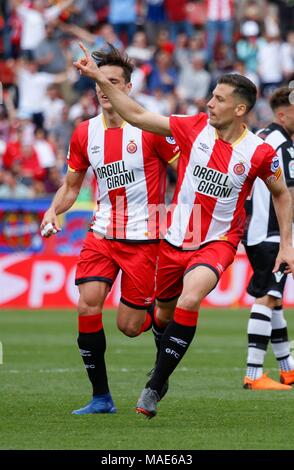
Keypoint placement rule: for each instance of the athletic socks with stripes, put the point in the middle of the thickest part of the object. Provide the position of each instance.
(174, 343)
(92, 345)
(266, 324)
(279, 340)
(259, 333)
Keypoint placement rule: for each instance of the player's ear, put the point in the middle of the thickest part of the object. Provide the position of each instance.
(241, 109)
(129, 87)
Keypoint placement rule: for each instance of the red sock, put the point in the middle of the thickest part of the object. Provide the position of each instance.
(185, 317)
(90, 323)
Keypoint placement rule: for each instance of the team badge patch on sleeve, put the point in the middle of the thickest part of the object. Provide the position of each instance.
(170, 140)
(275, 164)
(291, 169)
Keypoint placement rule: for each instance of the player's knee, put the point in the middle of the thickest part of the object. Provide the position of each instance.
(267, 300)
(129, 329)
(189, 302)
(87, 309)
(165, 315)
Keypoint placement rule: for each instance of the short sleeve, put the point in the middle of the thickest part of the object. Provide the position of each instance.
(287, 152)
(270, 167)
(186, 128)
(166, 148)
(77, 158)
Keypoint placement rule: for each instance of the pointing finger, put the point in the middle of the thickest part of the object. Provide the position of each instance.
(85, 50)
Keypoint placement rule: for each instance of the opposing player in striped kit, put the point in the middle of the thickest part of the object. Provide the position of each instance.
(220, 159)
(130, 167)
(261, 239)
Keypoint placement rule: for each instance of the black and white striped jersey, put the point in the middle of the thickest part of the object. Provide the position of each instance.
(262, 224)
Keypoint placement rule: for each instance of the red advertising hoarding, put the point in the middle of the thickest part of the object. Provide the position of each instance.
(47, 281)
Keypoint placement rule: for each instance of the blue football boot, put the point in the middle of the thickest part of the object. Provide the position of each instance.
(99, 404)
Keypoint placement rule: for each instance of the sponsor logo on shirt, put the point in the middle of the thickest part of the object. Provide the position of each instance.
(116, 175)
(203, 147)
(132, 147)
(95, 149)
(170, 140)
(278, 276)
(220, 268)
(212, 182)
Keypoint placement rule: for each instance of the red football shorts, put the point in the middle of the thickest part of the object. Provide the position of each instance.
(174, 263)
(101, 259)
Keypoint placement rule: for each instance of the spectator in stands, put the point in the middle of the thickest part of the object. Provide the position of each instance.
(32, 87)
(220, 20)
(176, 13)
(34, 19)
(139, 48)
(270, 63)
(53, 106)
(49, 54)
(163, 75)
(44, 149)
(247, 46)
(11, 188)
(194, 81)
(122, 16)
(155, 18)
(61, 133)
(287, 53)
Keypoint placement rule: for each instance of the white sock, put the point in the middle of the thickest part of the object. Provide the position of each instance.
(259, 332)
(279, 340)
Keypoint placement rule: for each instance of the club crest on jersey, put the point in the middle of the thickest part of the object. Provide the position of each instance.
(132, 147)
(239, 168)
(275, 164)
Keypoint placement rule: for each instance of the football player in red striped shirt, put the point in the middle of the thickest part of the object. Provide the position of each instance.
(220, 159)
(130, 168)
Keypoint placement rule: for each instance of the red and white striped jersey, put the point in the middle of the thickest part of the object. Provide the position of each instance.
(130, 167)
(214, 180)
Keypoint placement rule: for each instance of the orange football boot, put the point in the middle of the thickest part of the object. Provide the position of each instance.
(287, 378)
(264, 383)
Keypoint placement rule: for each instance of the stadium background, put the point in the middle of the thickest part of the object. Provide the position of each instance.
(42, 100)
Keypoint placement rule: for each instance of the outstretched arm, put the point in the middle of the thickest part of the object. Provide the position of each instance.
(126, 107)
(283, 207)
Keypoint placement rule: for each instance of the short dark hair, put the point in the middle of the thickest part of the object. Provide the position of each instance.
(243, 87)
(280, 97)
(113, 56)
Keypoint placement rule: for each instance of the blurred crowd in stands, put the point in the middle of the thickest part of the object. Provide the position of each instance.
(179, 49)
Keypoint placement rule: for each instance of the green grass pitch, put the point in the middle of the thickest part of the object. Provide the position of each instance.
(43, 380)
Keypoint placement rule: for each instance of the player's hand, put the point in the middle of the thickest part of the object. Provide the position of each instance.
(87, 66)
(286, 257)
(49, 225)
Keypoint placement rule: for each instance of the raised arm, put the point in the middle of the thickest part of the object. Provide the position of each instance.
(125, 106)
(282, 201)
